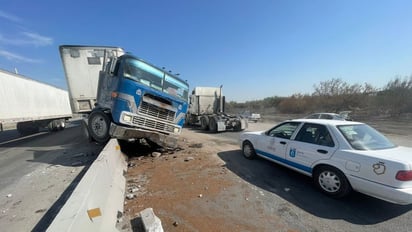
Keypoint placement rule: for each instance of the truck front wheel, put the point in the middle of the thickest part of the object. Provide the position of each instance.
(85, 129)
(99, 124)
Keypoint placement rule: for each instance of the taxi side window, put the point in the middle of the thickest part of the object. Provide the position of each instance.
(315, 134)
(284, 130)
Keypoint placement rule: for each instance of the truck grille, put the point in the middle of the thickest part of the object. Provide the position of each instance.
(156, 112)
(152, 124)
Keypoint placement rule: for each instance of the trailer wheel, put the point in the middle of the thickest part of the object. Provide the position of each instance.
(62, 124)
(213, 124)
(204, 123)
(51, 126)
(54, 125)
(99, 124)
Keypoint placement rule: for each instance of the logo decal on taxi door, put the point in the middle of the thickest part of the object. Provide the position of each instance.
(292, 152)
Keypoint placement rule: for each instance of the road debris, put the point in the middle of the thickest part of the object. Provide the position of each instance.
(156, 154)
(150, 221)
(130, 196)
(133, 189)
(187, 159)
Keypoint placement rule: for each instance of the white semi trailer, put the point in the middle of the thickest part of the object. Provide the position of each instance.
(207, 109)
(29, 105)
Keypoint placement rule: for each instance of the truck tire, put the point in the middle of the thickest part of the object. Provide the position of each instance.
(213, 124)
(62, 124)
(99, 125)
(238, 126)
(51, 126)
(54, 125)
(85, 131)
(204, 123)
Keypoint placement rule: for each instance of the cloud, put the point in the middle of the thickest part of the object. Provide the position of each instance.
(27, 38)
(37, 39)
(16, 34)
(19, 37)
(16, 57)
(9, 17)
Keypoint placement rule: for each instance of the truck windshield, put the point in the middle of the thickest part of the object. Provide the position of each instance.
(155, 78)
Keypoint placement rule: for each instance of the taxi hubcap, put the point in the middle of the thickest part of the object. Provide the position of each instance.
(329, 181)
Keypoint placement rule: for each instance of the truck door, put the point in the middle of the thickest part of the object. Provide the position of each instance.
(313, 142)
(108, 82)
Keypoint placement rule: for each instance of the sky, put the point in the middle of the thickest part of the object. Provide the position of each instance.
(255, 49)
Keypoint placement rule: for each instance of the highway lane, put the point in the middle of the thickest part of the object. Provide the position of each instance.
(38, 174)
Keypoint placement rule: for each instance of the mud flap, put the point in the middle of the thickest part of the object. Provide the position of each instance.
(221, 126)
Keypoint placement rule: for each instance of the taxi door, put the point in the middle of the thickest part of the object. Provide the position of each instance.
(276, 141)
(312, 142)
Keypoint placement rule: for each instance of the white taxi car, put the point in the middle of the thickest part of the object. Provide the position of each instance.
(340, 156)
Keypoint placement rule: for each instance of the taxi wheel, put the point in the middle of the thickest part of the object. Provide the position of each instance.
(248, 150)
(331, 181)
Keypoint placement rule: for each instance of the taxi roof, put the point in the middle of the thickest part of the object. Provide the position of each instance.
(327, 121)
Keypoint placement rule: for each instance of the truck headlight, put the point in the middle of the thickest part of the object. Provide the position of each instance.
(127, 118)
(176, 130)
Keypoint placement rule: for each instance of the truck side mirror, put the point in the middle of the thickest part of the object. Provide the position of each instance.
(112, 65)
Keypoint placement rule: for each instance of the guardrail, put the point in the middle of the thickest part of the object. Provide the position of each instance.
(99, 196)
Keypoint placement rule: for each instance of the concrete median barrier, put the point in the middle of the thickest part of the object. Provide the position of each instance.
(96, 201)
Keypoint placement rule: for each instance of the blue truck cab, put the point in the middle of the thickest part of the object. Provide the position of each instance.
(134, 99)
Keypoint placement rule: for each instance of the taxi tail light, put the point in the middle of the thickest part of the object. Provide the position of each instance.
(404, 175)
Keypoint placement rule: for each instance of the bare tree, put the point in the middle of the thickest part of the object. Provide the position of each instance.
(336, 95)
(396, 97)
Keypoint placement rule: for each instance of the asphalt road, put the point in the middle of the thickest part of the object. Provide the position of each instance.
(38, 174)
(293, 197)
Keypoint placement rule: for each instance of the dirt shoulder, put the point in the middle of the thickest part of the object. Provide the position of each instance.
(208, 186)
(192, 190)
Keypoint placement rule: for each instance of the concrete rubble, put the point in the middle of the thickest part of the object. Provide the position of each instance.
(151, 223)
